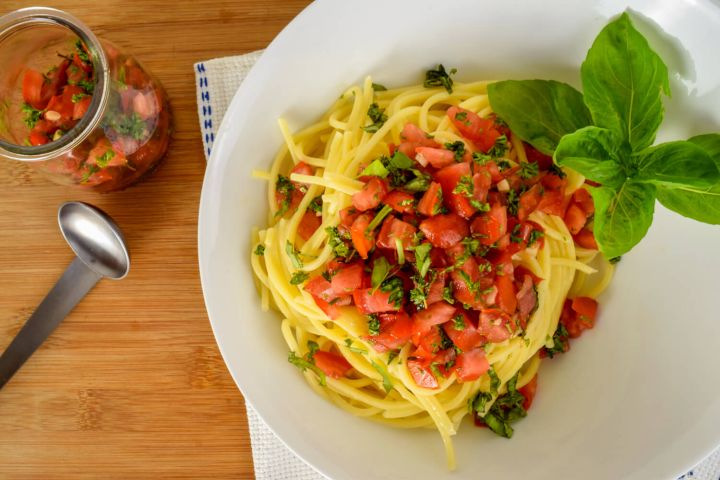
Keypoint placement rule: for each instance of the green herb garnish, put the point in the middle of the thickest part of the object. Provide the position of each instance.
(438, 77)
(377, 116)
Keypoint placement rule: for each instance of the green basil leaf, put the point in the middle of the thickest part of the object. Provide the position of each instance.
(622, 217)
(539, 111)
(623, 82)
(592, 152)
(702, 204)
(375, 169)
(380, 271)
(677, 164)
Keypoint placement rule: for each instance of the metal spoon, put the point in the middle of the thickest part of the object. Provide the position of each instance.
(100, 252)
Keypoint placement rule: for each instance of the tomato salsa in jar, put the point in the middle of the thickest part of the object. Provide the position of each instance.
(77, 108)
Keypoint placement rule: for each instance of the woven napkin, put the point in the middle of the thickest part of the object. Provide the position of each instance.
(217, 81)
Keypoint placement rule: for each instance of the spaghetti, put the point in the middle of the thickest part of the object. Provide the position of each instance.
(317, 179)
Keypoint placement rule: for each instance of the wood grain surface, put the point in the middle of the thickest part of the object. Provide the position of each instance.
(131, 385)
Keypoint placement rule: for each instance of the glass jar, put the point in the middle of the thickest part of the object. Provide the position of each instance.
(76, 107)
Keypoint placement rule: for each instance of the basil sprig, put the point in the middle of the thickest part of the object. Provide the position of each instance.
(607, 135)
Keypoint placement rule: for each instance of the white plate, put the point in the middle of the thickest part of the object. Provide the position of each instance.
(638, 397)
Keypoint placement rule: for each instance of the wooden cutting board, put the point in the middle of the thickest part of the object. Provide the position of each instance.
(131, 385)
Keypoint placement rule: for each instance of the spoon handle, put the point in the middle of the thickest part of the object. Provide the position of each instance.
(75, 283)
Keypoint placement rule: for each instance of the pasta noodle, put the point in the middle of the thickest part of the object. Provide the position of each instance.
(339, 147)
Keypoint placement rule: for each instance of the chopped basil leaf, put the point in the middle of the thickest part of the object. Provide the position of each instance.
(32, 115)
(394, 286)
(560, 342)
(259, 250)
(378, 87)
(507, 409)
(337, 243)
(459, 322)
(379, 217)
(494, 381)
(373, 324)
(380, 271)
(499, 148)
(422, 258)
(535, 235)
(104, 159)
(77, 97)
(298, 278)
(378, 117)
(457, 147)
(387, 382)
(293, 254)
(439, 78)
(349, 344)
(305, 363)
(375, 169)
(529, 170)
(316, 204)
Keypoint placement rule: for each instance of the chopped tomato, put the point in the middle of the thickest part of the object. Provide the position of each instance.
(545, 162)
(308, 224)
(320, 288)
(332, 364)
(361, 238)
(553, 201)
(413, 133)
(465, 336)
(428, 342)
(408, 149)
(585, 307)
(32, 89)
(348, 216)
(471, 365)
(371, 194)
(378, 302)
(81, 107)
(422, 375)
(437, 157)
(395, 331)
(575, 218)
(450, 178)
(394, 229)
(528, 202)
(444, 231)
(347, 279)
(586, 239)
(481, 131)
(482, 182)
(105, 155)
(506, 299)
(400, 201)
(469, 286)
(528, 391)
(584, 200)
(437, 287)
(431, 202)
(495, 325)
(490, 226)
(38, 138)
(435, 314)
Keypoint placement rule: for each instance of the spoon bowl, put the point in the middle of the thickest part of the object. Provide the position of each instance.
(95, 238)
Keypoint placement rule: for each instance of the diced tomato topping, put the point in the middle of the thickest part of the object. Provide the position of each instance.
(586, 239)
(444, 231)
(471, 365)
(371, 194)
(38, 138)
(481, 131)
(332, 364)
(575, 219)
(528, 391)
(435, 292)
(435, 314)
(81, 107)
(394, 229)
(308, 224)
(413, 133)
(585, 307)
(528, 202)
(32, 89)
(422, 375)
(400, 201)
(378, 302)
(449, 178)
(506, 299)
(553, 201)
(348, 216)
(105, 155)
(302, 168)
(431, 202)
(361, 238)
(347, 279)
(408, 149)
(584, 200)
(490, 226)
(437, 157)
(465, 336)
(320, 288)
(396, 330)
(495, 325)
(545, 162)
